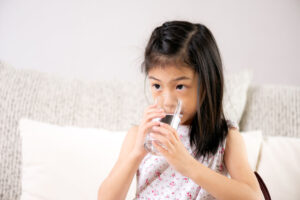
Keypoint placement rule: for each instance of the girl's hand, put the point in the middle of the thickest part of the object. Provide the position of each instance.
(145, 126)
(175, 152)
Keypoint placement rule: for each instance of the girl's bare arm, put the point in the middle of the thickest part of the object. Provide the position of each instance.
(116, 185)
(242, 184)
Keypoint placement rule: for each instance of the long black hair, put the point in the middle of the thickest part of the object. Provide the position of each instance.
(193, 45)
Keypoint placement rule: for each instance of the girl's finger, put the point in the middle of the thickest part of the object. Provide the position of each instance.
(170, 129)
(158, 110)
(149, 125)
(161, 149)
(151, 106)
(154, 115)
(166, 132)
(151, 116)
(163, 140)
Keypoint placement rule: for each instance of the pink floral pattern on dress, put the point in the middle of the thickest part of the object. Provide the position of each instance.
(156, 179)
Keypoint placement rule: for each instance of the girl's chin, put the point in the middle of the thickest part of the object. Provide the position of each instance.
(185, 122)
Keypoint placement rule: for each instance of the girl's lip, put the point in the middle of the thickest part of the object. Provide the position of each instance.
(180, 115)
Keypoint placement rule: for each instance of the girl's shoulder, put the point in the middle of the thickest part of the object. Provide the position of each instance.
(133, 129)
(128, 142)
(132, 132)
(232, 124)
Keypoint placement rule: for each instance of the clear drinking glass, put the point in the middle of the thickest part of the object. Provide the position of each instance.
(172, 117)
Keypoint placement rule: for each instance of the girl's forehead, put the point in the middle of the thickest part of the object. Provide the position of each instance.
(171, 71)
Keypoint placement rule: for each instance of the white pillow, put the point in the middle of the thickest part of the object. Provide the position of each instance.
(62, 163)
(70, 162)
(253, 141)
(279, 166)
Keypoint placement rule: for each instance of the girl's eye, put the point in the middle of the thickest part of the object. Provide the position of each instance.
(180, 87)
(156, 86)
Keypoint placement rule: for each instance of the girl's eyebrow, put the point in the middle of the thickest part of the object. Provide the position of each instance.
(176, 79)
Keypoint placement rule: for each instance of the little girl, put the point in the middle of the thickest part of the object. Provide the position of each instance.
(205, 158)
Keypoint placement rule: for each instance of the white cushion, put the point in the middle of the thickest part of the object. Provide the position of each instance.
(62, 163)
(253, 142)
(70, 162)
(279, 166)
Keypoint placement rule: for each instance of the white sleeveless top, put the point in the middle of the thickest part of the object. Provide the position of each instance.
(156, 179)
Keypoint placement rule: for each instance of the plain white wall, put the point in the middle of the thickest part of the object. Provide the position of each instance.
(93, 39)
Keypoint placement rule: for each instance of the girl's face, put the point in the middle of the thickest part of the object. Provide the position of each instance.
(173, 82)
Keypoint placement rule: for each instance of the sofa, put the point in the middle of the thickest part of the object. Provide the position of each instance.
(117, 105)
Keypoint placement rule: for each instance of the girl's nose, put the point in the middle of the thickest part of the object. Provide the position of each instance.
(170, 103)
